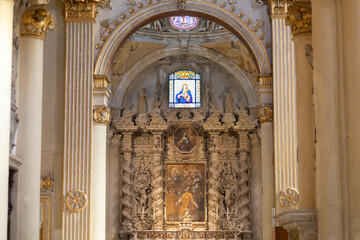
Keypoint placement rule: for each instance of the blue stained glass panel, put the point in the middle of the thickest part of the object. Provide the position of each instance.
(184, 89)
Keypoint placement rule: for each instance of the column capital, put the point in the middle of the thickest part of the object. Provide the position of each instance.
(265, 114)
(265, 80)
(277, 8)
(36, 22)
(299, 18)
(102, 115)
(83, 10)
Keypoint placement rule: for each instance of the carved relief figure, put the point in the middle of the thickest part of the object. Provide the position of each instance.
(184, 96)
(142, 101)
(228, 101)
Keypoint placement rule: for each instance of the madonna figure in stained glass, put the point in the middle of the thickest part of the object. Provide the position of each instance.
(184, 96)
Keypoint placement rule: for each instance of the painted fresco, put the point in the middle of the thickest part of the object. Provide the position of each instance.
(185, 193)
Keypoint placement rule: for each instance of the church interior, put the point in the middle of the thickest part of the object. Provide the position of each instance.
(179, 119)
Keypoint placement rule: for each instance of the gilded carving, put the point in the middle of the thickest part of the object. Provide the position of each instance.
(46, 183)
(265, 80)
(76, 200)
(102, 115)
(265, 114)
(299, 18)
(35, 23)
(289, 198)
(85, 10)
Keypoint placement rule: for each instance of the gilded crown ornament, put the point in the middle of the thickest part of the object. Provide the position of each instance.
(35, 23)
(76, 200)
(289, 198)
(299, 18)
(102, 115)
(265, 114)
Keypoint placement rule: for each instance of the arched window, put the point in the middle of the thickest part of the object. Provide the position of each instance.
(183, 22)
(184, 89)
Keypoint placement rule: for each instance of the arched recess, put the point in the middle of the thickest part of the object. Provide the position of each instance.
(194, 8)
(223, 61)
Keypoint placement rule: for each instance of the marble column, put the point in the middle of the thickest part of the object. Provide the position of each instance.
(350, 13)
(6, 29)
(285, 135)
(328, 120)
(98, 161)
(304, 103)
(30, 111)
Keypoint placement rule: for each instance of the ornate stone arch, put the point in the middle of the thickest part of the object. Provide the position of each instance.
(167, 8)
(224, 62)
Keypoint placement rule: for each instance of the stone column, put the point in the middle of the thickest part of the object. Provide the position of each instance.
(301, 32)
(285, 134)
(98, 162)
(30, 111)
(127, 184)
(350, 13)
(213, 208)
(328, 82)
(157, 183)
(6, 29)
(244, 183)
(267, 170)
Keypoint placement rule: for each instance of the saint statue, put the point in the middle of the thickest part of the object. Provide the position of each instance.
(228, 101)
(184, 96)
(142, 101)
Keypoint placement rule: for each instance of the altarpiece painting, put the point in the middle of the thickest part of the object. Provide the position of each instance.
(185, 193)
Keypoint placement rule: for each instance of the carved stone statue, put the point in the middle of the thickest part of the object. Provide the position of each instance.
(228, 101)
(142, 101)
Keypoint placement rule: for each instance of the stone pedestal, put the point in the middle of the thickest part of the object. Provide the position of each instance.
(6, 29)
(300, 224)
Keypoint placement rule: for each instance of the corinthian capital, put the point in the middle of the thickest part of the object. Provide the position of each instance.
(299, 18)
(35, 23)
(84, 10)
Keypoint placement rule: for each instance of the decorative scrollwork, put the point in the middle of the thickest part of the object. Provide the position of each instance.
(299, 18)
(289, 198)
(102, 115)
(76, 200)
(265, 114)
(35, 23)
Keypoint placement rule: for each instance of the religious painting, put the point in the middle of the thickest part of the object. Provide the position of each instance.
(185, 193)
(185, 139)
(184, 89)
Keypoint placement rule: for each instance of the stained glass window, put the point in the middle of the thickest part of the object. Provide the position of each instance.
(183, 22)
(184, 89)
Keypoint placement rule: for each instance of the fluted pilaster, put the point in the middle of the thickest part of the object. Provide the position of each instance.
(284, 81)
(79, 18)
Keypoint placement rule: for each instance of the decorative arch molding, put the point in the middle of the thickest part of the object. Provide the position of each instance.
(193, 7)
(149, 59)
